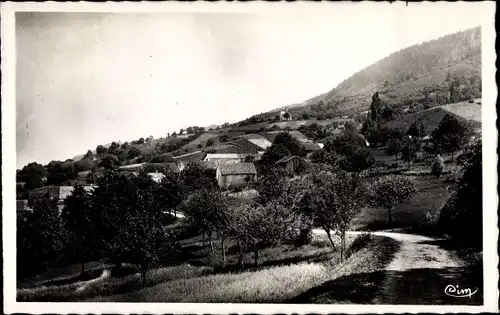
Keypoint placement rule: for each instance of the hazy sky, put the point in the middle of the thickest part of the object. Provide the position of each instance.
(85, 79)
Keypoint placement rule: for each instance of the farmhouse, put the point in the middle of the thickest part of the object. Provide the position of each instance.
(291, 164)
(235, 173)
(184, 159)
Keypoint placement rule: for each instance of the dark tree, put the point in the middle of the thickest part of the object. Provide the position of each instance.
(357, 160)
(451, 135)
(88, 154)
(78, 220)
(109, 161)
(100, 150)
(390, 190)
(416, 129)
(375, 107)
(134, 152)
(289, 142)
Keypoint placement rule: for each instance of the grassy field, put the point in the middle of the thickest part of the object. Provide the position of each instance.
(273, 285)
(422, 209)
(189, 279)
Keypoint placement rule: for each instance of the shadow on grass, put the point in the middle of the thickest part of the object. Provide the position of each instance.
(414, 286)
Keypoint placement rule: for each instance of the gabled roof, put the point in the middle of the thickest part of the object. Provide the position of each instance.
(131, 167)
(258, 140)
(190, 157)
(237, 168)
(287, 158)
(247, 146)
(310, 146)
(221, 156)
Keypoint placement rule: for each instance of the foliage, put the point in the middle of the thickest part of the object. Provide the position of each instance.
(100, 150)
(272, 154)
(289, 142)
(389, 190)
(437, 166)
(452, 134)
(78, 219)
(134, 152)
(463, 212)
(410, 148)
(357, 160)
(194, 177)
(325, 157)
(210, 142)
(59, 172)
(416, 129)
(40, 238)
(129, 221)
(331, 200)
(271, 185)
(109, 161)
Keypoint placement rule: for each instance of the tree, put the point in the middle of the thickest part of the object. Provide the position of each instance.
(40, 243)
(205, 209)
(289, 142)
(272, 185)
(141, 140)
(437, 166)
(210, 142)
(305, 116)
(390, 190)
(463, 210)
(410, 148)
(257, 227)
(169, 192)
(331, 200)
(416, 129)
(395, 143)
(101, 150)
(286, 115)
(375, 107)
(224, 138)
(369, 130)
(273, 154)
(325, 157)
(194, 177)
(113, 148)
(134, 152)
(79, 225)
(129, 221)
(109, 161)
(357, 160)
(88, 154)
(452, 134)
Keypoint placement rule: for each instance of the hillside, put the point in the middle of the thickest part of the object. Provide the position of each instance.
(418, 74)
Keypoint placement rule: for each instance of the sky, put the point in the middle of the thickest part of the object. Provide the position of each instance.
(84, 79)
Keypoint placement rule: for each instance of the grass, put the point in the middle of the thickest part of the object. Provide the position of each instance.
(422, 209)
(273, 285)
(279, 264)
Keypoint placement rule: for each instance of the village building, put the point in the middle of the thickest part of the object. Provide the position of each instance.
(223, 157)
(235, 173)
(184, 159)
(285, 115)
(291, 164)
(59, 193)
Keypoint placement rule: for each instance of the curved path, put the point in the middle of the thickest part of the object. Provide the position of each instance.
(420, 271)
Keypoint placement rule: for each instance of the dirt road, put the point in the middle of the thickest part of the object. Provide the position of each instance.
(420, 272)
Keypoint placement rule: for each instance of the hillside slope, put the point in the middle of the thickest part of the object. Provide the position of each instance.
(417, 74)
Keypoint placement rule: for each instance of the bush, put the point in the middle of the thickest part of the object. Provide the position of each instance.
(437, 166)
(360, 242)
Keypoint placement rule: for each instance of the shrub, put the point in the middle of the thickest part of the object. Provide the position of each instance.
(360, 242)
(437, 166)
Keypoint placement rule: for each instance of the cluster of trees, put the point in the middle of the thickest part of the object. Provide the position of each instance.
(120, 220)
(284, 144)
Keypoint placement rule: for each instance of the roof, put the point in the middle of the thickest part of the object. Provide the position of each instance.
(131, 166)
(237, 168)
(220, 156)
(190, 157)
(157, 177)
(310, 146)
(258, 140)
(170, 165)
(287, 158)
(208, 164)
(246, 145)
(469, 111)
(270, 135)
(228, 147)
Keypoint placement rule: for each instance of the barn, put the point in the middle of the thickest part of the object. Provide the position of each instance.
(235, 173)
(291, 164)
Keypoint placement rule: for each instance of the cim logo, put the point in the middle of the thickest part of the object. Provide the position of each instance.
(456, 291)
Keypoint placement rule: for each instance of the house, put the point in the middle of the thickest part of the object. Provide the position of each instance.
(209, 165)
(235, 173)
(291, 164)
(221, 157)
(184, 159)
(285, 115)
(60, 193)
(311, 146)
